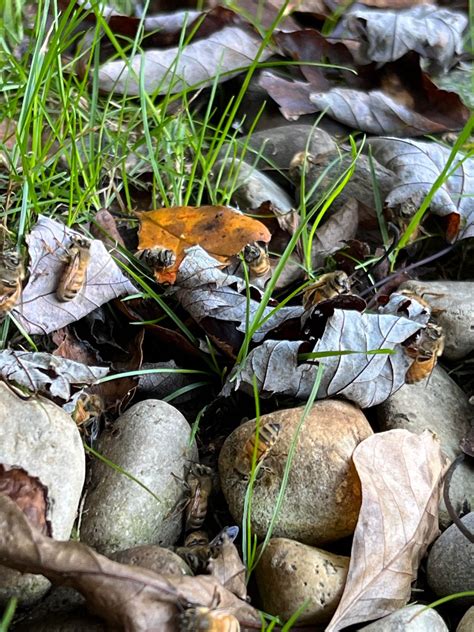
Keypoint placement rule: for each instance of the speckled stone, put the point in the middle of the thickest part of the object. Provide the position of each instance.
(155, 558)
(467, 622)
(290, 573)
(151, 442)
(323, 495)
(450, 566)
(455, 302)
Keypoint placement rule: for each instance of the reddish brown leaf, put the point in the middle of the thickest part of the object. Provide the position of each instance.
(219, 230)
(29, 494)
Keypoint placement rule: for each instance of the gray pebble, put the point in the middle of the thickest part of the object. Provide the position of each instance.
(467, 622)
(402, 621)
(151, 442)
(290, 573)
(450, 566)
(41, 438)
(155, 558)
(322, 499)
(455, 300)
(437, 404)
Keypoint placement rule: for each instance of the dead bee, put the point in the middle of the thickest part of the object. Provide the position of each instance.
(74, 275)
(203, 619)
(157, 258)
(196, 538)
(199, 483)
(267, 436)
(257, 259)
(12, 274)
(89, 406)
(197, 556)
(326, 287)
(426, 350)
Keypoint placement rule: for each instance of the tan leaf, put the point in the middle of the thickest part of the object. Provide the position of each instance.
(401, 475)
(219, 230)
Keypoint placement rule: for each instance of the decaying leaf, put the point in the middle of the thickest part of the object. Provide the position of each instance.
(417, 165)
(223, 53)
(365, 378)
(39, 311)
(401, 475)
(28, 493)
(339, 228)
(434, 33)
(205, 291)
(46, 373)
(128, 597)
(376, 112)
(221, 231)
(228, 569)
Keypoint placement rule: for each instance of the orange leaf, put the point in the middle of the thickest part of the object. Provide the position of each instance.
(221, 231)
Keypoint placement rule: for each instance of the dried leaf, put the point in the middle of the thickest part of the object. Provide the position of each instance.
(128, 597)
(376, 112)
(401, 475)
(221, 231)
(40, 312)
(340, 227)
(435, 34)
(28, 493)
(224, 53)
(367, 379)
(205, 291)
(228, 569)
(46, 373)
(417, 165)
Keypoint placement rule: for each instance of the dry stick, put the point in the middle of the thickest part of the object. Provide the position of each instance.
(452, 514)
(407, 269)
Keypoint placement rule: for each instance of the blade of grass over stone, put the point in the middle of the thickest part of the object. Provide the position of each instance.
(253, 559)
(313, 355)
(8, 614)
(442, 601)
(249, 541)
(332, 196)
(138, 372)
(295, 616)
(120, 470)
(438, 183)
(183, 390)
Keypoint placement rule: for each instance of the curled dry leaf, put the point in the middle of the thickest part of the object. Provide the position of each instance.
(401, 475)
(39, 311)
(205, 291)
(228, 569)
(128, 597)
(224, 53)
(221, 231)
(29, 494)
(418, 165)
(349, 371)
(436, 34)
(46, 373)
